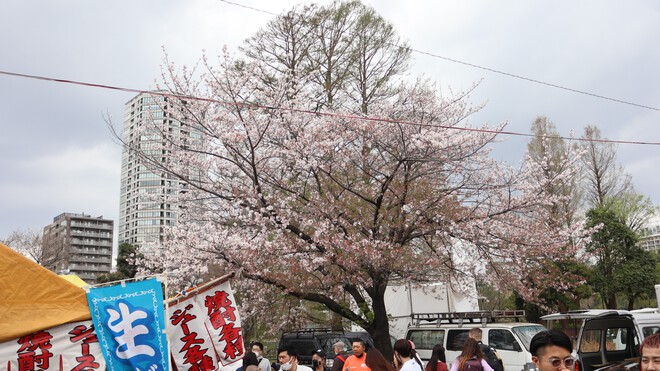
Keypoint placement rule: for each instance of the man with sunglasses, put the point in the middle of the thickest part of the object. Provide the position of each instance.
(551, 351)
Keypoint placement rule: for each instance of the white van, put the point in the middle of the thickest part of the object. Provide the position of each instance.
(608, 336)
(510, 339)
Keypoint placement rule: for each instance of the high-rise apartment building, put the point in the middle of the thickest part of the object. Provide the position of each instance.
(80, 244)
(145, 197)
(650, 235)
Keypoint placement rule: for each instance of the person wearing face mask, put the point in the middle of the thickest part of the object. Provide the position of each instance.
(318, 360)
(288, 359)
(258, 349)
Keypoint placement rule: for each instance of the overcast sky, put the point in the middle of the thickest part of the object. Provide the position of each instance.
(58, 155)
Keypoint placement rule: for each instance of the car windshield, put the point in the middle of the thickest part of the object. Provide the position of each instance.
(526, 333)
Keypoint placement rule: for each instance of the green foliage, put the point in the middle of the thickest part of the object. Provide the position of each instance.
(110, 277)
(126, 260)
(622, 266)
(126, 266)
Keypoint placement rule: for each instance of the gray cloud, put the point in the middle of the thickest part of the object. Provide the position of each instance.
(59, 156)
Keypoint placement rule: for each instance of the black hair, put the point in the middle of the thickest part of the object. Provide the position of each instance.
(437, 355)
(291, 351)
(359, 341)
(550, 337)
(261, 346)
(250, 359)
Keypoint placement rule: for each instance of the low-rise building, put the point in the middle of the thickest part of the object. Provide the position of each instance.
(79, 244)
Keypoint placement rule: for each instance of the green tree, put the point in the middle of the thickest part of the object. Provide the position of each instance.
(617, 267)
(127, 256)
(636, 277)
(126, 259)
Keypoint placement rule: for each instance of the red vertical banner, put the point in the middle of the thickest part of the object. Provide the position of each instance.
(205, 329)
(72, 346)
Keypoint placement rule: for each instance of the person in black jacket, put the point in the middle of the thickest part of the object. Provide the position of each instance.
(490, 354)
(340, 355)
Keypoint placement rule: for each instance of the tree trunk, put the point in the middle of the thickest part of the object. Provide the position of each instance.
(380, 331)
(610, 303)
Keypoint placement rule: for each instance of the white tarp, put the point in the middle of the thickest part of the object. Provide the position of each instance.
(403, 301)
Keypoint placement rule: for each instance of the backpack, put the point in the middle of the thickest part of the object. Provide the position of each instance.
(473, 365)
(491, 357)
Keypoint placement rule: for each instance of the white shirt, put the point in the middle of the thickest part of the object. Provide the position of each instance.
(303, 368)
(411, 365)
(264, 364)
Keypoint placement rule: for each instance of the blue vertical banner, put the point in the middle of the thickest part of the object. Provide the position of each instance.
(130, 324)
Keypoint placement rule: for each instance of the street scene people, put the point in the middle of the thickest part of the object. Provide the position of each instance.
(318, 360)
(471, 358)
(438, 361)
(377, 362)
(288, 360)
(490, 354)
(250, 362)
(551, 351)
(650, 353)
(404, 357)
(258, 349)
(358, 361)
(340, 355)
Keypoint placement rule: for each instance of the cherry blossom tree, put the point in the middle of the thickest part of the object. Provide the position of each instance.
(332, 206)
(30, 243)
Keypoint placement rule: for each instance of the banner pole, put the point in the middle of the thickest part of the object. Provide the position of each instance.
(194, 290)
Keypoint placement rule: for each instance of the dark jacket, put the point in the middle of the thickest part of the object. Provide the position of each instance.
(339, 361)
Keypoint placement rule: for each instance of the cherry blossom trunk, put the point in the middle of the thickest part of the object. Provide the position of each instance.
(380, 331)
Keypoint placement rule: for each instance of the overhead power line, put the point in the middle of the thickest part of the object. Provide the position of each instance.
(317, 113)
(493, 70)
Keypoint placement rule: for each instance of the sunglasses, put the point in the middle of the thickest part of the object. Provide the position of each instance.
(557, 362)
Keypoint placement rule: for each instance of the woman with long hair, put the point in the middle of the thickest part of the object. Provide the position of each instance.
(250, 362)
(404, 356)
(438, 361)
(377, 362)
(471, 359)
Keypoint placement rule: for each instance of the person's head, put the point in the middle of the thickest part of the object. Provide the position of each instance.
(650, 352)
(318, 359)
(339, 347)
(287, 357)
(358, 348)
(376, 361)
(551, 350)
(438, 355)
(258, 348)
(250, 359)
(475, 333)
(471, 349)
(402, 351)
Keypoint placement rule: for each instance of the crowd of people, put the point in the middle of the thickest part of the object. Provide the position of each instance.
(551, 350)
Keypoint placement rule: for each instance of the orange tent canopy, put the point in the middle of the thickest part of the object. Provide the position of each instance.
(32, 298)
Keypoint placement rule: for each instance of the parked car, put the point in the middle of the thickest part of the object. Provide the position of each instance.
(309, 340)
(608, 336)
(510, 339)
